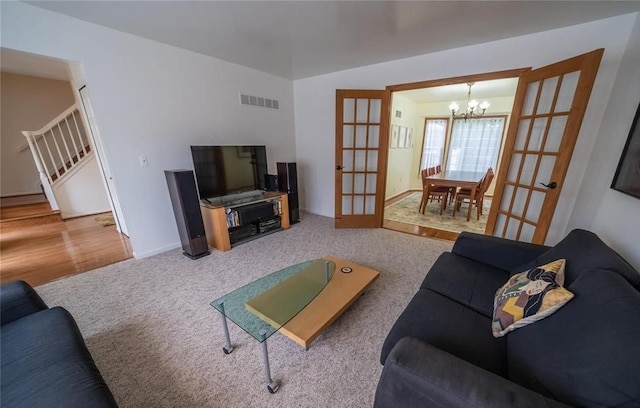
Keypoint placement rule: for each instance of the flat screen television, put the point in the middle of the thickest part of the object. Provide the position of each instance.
(228, 170)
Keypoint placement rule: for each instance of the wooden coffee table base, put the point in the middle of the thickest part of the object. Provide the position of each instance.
(342, 290)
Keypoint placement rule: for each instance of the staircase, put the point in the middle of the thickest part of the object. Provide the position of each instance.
(58, 148)
(69, 164)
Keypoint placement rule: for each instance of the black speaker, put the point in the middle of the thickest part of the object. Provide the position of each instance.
(288, 182)
(271, 182)
(186, 207)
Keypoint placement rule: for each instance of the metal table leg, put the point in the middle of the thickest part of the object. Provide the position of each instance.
(227, 348)
(272, 386)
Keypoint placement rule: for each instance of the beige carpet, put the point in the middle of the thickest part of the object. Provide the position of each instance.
(406, 210)
(158, 342)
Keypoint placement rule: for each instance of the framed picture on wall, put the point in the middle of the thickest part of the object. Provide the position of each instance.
(402, 142)
(409, 137)
(394, 136)
(627, 177)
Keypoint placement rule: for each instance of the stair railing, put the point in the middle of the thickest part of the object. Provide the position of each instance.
(57, 148)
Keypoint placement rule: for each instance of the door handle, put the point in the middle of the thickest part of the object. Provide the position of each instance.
(338, 167)
(551, 185)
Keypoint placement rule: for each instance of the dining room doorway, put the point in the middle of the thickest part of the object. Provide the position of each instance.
(544, 123)
(548, 109)
(425, 135)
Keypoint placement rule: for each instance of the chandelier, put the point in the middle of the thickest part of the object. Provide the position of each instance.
(473, 107)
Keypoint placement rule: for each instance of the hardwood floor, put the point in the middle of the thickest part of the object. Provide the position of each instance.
(420, 230)
(24, 210)
(416, 229)
(42, 253)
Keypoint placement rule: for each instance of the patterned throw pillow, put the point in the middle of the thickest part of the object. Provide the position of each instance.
(528, 297)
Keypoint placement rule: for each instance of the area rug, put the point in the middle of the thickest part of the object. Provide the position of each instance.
(406, 210)
(105, 220)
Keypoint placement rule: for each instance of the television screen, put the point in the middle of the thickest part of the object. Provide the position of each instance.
(226, 170)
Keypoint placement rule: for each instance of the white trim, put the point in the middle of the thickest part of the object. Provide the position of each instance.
(57, 119)
(22, 194)
(38, 133)
(71, 214)
(108, 211)
(83, 101)
(156, 251)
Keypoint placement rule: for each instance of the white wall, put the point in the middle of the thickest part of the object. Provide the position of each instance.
(400, 161)
(614, 216)
(81, 191)
(315, 98)
(155, 99)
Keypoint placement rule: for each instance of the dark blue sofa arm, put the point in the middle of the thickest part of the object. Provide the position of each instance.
(417, 374)
(500, 253)
(17, 300)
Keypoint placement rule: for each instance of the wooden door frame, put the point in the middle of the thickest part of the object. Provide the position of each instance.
(384, 160)
(488, 76)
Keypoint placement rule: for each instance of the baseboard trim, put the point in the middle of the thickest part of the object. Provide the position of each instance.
(21, 194)
(86, 215)
(401, 193)
(156, 251)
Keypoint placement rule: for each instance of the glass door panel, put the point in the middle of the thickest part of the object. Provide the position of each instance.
(530, 98)
(549, 87)
(568, 88)
(556, 130)
(521, 137)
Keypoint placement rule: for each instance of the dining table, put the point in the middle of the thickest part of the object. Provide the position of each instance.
(456, 178)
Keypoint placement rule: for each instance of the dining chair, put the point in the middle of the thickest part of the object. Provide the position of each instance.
(439, 192)
(478, 199)
(467, 190)
(452, 189)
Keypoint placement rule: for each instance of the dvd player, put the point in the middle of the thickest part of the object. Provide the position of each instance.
(243, 232)
(269, 225)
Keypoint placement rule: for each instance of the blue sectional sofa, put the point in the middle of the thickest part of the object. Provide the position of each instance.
(441, 351)
(45, 362)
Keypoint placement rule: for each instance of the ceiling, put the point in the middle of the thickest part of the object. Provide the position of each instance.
(299, 39)
(17, 62)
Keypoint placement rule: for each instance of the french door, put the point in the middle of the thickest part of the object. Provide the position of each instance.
(549, 106)
(362, 134)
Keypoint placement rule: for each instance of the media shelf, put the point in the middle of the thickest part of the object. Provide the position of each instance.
(233, 222)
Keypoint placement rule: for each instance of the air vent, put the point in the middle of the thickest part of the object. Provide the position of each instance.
(259, 101)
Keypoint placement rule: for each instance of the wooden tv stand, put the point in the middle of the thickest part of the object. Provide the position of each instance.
(214, 217)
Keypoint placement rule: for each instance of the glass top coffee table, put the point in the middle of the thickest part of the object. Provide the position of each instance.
(299, 301)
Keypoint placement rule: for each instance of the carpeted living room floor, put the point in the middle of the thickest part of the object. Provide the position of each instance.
(158, 342)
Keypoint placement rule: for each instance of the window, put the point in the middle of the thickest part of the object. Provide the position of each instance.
(475, 144)
(435, 132)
